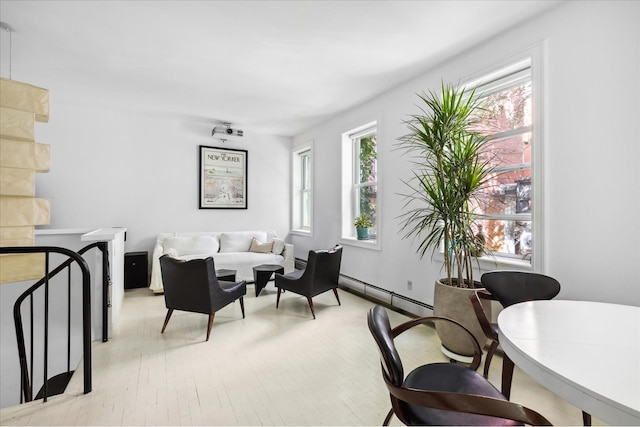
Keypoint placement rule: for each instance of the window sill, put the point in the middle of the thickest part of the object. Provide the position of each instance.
(303, 233)
(373, 244)
(488, 263)
(493, 263)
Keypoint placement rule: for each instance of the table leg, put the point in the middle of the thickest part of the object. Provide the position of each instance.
(507, 376)
(261, 280)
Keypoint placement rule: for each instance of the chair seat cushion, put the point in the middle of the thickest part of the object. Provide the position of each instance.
(451, 377)
(234, 287)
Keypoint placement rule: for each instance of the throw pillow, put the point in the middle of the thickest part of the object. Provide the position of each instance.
(262, 248)
(239, 241)
(278, 246)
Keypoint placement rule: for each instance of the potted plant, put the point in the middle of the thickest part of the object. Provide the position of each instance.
(449, 166)
(362, 224)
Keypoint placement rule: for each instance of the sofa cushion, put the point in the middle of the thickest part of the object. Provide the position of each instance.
(239, 241)
(278, 246)
(192, 245)
(259, 247)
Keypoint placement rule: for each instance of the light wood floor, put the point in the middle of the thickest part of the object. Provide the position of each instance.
(276, 367)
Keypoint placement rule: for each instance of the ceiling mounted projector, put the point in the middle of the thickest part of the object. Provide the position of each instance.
(225, 129)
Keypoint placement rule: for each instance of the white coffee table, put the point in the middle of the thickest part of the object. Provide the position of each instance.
(585, 352)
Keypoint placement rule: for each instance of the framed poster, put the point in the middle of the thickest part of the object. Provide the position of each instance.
(223, 178)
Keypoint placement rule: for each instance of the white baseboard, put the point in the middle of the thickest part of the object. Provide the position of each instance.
(388, 298)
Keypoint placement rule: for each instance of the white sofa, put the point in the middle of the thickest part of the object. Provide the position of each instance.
(234, 250)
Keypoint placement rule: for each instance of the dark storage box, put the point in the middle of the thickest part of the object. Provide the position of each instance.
(136, 265)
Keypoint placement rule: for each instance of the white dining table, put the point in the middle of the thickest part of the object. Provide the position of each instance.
(585, 352)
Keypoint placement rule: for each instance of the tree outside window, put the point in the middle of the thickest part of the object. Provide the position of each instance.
(504, 206)
(365, 179)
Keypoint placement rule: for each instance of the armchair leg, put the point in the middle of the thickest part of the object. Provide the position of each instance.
(507, 376)
(487, 360)
(335, 292)
(242, 306)
(166, 319)
(311, 306)
(211, 316)
(388, 418)
(278, 299)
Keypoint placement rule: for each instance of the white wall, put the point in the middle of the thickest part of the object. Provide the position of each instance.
(592, 157)
(115, 165)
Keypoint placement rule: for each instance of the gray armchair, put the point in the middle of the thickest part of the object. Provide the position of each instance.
(193, 286)
(320, 275)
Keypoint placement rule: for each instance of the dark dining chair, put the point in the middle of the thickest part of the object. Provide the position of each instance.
(441, 393)
(509, 288)
(320, 275)
(193, 286)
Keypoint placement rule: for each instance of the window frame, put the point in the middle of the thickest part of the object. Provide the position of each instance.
(351, 182)
(299, 189)
(357, 185)
(534, 58)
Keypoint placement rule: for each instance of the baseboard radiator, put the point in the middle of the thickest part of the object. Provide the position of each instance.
(390, 299)
(378, 295)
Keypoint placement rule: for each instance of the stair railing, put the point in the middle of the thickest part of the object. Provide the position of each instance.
(26, 363)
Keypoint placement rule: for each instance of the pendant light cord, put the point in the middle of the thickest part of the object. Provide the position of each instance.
(10, 52)
(8, 28)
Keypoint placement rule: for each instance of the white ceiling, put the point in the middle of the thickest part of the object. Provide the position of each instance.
(276, 67)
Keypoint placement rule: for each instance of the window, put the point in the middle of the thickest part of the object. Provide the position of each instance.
(302, 189)
(365, 183)
(305, 190)
(505, 204)
(360, 180)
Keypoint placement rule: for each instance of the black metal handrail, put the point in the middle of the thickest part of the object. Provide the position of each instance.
(26, 385)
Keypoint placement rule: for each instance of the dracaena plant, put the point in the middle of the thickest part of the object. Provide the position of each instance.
(449, 166)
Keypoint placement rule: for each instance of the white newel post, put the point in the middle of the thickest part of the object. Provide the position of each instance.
(114, 238)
